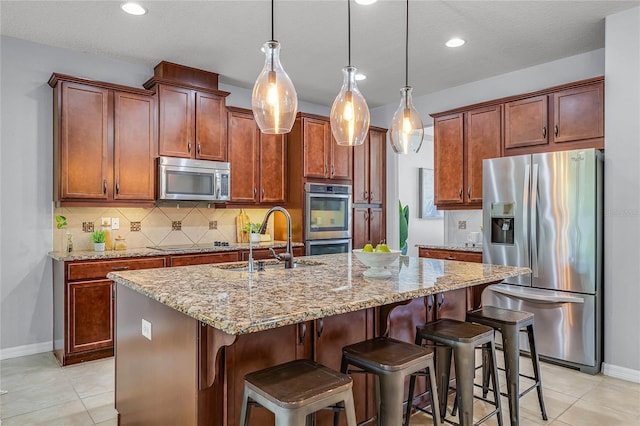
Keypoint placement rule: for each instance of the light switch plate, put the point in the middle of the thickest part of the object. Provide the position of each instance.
(146, 328)
(115, 223)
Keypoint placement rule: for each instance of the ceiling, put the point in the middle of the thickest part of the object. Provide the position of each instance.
(226, 36)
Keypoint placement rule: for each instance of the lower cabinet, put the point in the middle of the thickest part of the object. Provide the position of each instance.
(368, 226)
(266, 253)
(90, 316)
(204, 258)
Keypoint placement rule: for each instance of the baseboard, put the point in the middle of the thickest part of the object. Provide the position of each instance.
(34, 348)
(621, 372)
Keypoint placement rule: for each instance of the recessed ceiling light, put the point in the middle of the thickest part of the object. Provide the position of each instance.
(360, 77)
(455, 42)
(133, 9)
(366, 2)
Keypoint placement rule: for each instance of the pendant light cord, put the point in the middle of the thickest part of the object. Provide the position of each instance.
(406, 49)
(272, 37)
(349, 28)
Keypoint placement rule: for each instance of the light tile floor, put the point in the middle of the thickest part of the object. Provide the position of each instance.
(42, 393)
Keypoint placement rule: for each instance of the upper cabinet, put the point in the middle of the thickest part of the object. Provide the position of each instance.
(258, 161)
(323, 158)
(104, 142)
(559, 118)
(192, 116)
(369, 173)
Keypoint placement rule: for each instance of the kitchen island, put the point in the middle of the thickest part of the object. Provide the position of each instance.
(208, 325)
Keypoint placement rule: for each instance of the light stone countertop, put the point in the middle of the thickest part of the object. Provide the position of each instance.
(238, 302)
(147, 252)
(457, 247)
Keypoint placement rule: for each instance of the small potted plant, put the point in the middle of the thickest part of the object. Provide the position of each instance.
(98, 238)
(253, 229)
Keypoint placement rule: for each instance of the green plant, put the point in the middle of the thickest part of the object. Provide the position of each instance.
(61, 221)
(98, 237)
(404, 227)
(254, 228)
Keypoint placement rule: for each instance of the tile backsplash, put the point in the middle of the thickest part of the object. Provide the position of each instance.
(144, 227)
(455, 233)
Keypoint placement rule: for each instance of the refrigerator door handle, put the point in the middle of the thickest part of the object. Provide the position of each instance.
(538, 298)
(525, 211)
(534, 221)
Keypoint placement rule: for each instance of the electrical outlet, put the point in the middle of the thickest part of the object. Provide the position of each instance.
(105, 221)
(462, 224)
(146, 328)
(115, 223)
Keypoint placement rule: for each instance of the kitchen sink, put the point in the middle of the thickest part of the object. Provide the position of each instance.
(268, 264)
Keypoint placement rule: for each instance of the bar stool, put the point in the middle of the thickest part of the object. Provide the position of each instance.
(510, 323)
(391, 361)
(295, 390)
(460, 339)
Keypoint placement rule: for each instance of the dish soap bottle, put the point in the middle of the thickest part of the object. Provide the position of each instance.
(69, 236)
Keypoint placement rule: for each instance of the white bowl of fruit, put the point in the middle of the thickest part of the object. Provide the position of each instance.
(377, 259)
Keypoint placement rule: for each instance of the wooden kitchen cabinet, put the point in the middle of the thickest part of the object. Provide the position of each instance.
(578, 114)
(258, 161)
(368, 226)
(192, 121)
(266, 253)
(461, 142)
(204, 258)
(104, 143)
(525, 122)
(369, 171)
(322, 157)
(84, 306)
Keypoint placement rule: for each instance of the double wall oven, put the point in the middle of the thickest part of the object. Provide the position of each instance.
(327, 218)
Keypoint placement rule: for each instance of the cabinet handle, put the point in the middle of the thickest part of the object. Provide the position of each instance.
(117, 188)
(119, 268)
(104, 186)
(370, 196)
(555, 130)
(255, 192)
(429, 303)
(198, 148)
(364, 195)
(320, 327)
(325, 169)
(440, 300)
(302, 331)
(460, 193)
(366, 216)
(262, 192)
(544, 132)
(189, 147)
(333, 170)
(370, 216)
(450, 258)
(469, 192)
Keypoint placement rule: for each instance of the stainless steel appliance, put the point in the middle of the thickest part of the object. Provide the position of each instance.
(327, 218)
(544, 211)
(185, 179)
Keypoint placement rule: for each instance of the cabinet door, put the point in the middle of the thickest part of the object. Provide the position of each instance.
(205, 258)
(90, 321)
(134, 147)
(211, 127)
(525, 122)
(578, 114)
(243, 156)
(360, 227)
(273, 168)
(452, 304)
(361, 172)
(341, 159)
(376, 225)
(484, 140)
(84, 147)
(176, 119)
(332, 334)
(316, 137)
(448, 159)
(377, 169)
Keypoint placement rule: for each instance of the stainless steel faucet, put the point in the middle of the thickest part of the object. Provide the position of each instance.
(288, 255)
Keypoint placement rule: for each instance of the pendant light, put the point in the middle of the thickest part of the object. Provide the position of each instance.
(406, 130)
(274, 101)
(349, 112)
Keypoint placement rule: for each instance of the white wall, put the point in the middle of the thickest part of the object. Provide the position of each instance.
(622, 195)
(573, 68)
(26, 170)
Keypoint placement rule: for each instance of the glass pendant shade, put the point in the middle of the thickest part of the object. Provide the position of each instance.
(349, 112)
(407, 130)
(274, 101)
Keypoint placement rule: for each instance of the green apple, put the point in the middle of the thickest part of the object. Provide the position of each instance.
(367, 248)
(382, 248)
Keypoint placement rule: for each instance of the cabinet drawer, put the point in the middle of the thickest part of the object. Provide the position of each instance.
(463, 256)
(100, 269)
(201, 259)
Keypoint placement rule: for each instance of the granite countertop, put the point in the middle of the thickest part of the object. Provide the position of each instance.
(146, 251)
(239, 302)
(457, 247)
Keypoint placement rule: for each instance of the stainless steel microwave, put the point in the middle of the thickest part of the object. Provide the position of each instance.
(193, 180)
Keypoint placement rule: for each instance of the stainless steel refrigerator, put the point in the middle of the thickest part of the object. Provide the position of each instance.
(544, 211)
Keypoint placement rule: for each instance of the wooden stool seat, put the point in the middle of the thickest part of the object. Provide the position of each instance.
(295, 390)
(451, 331)
(385, 354)
(490, 314)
